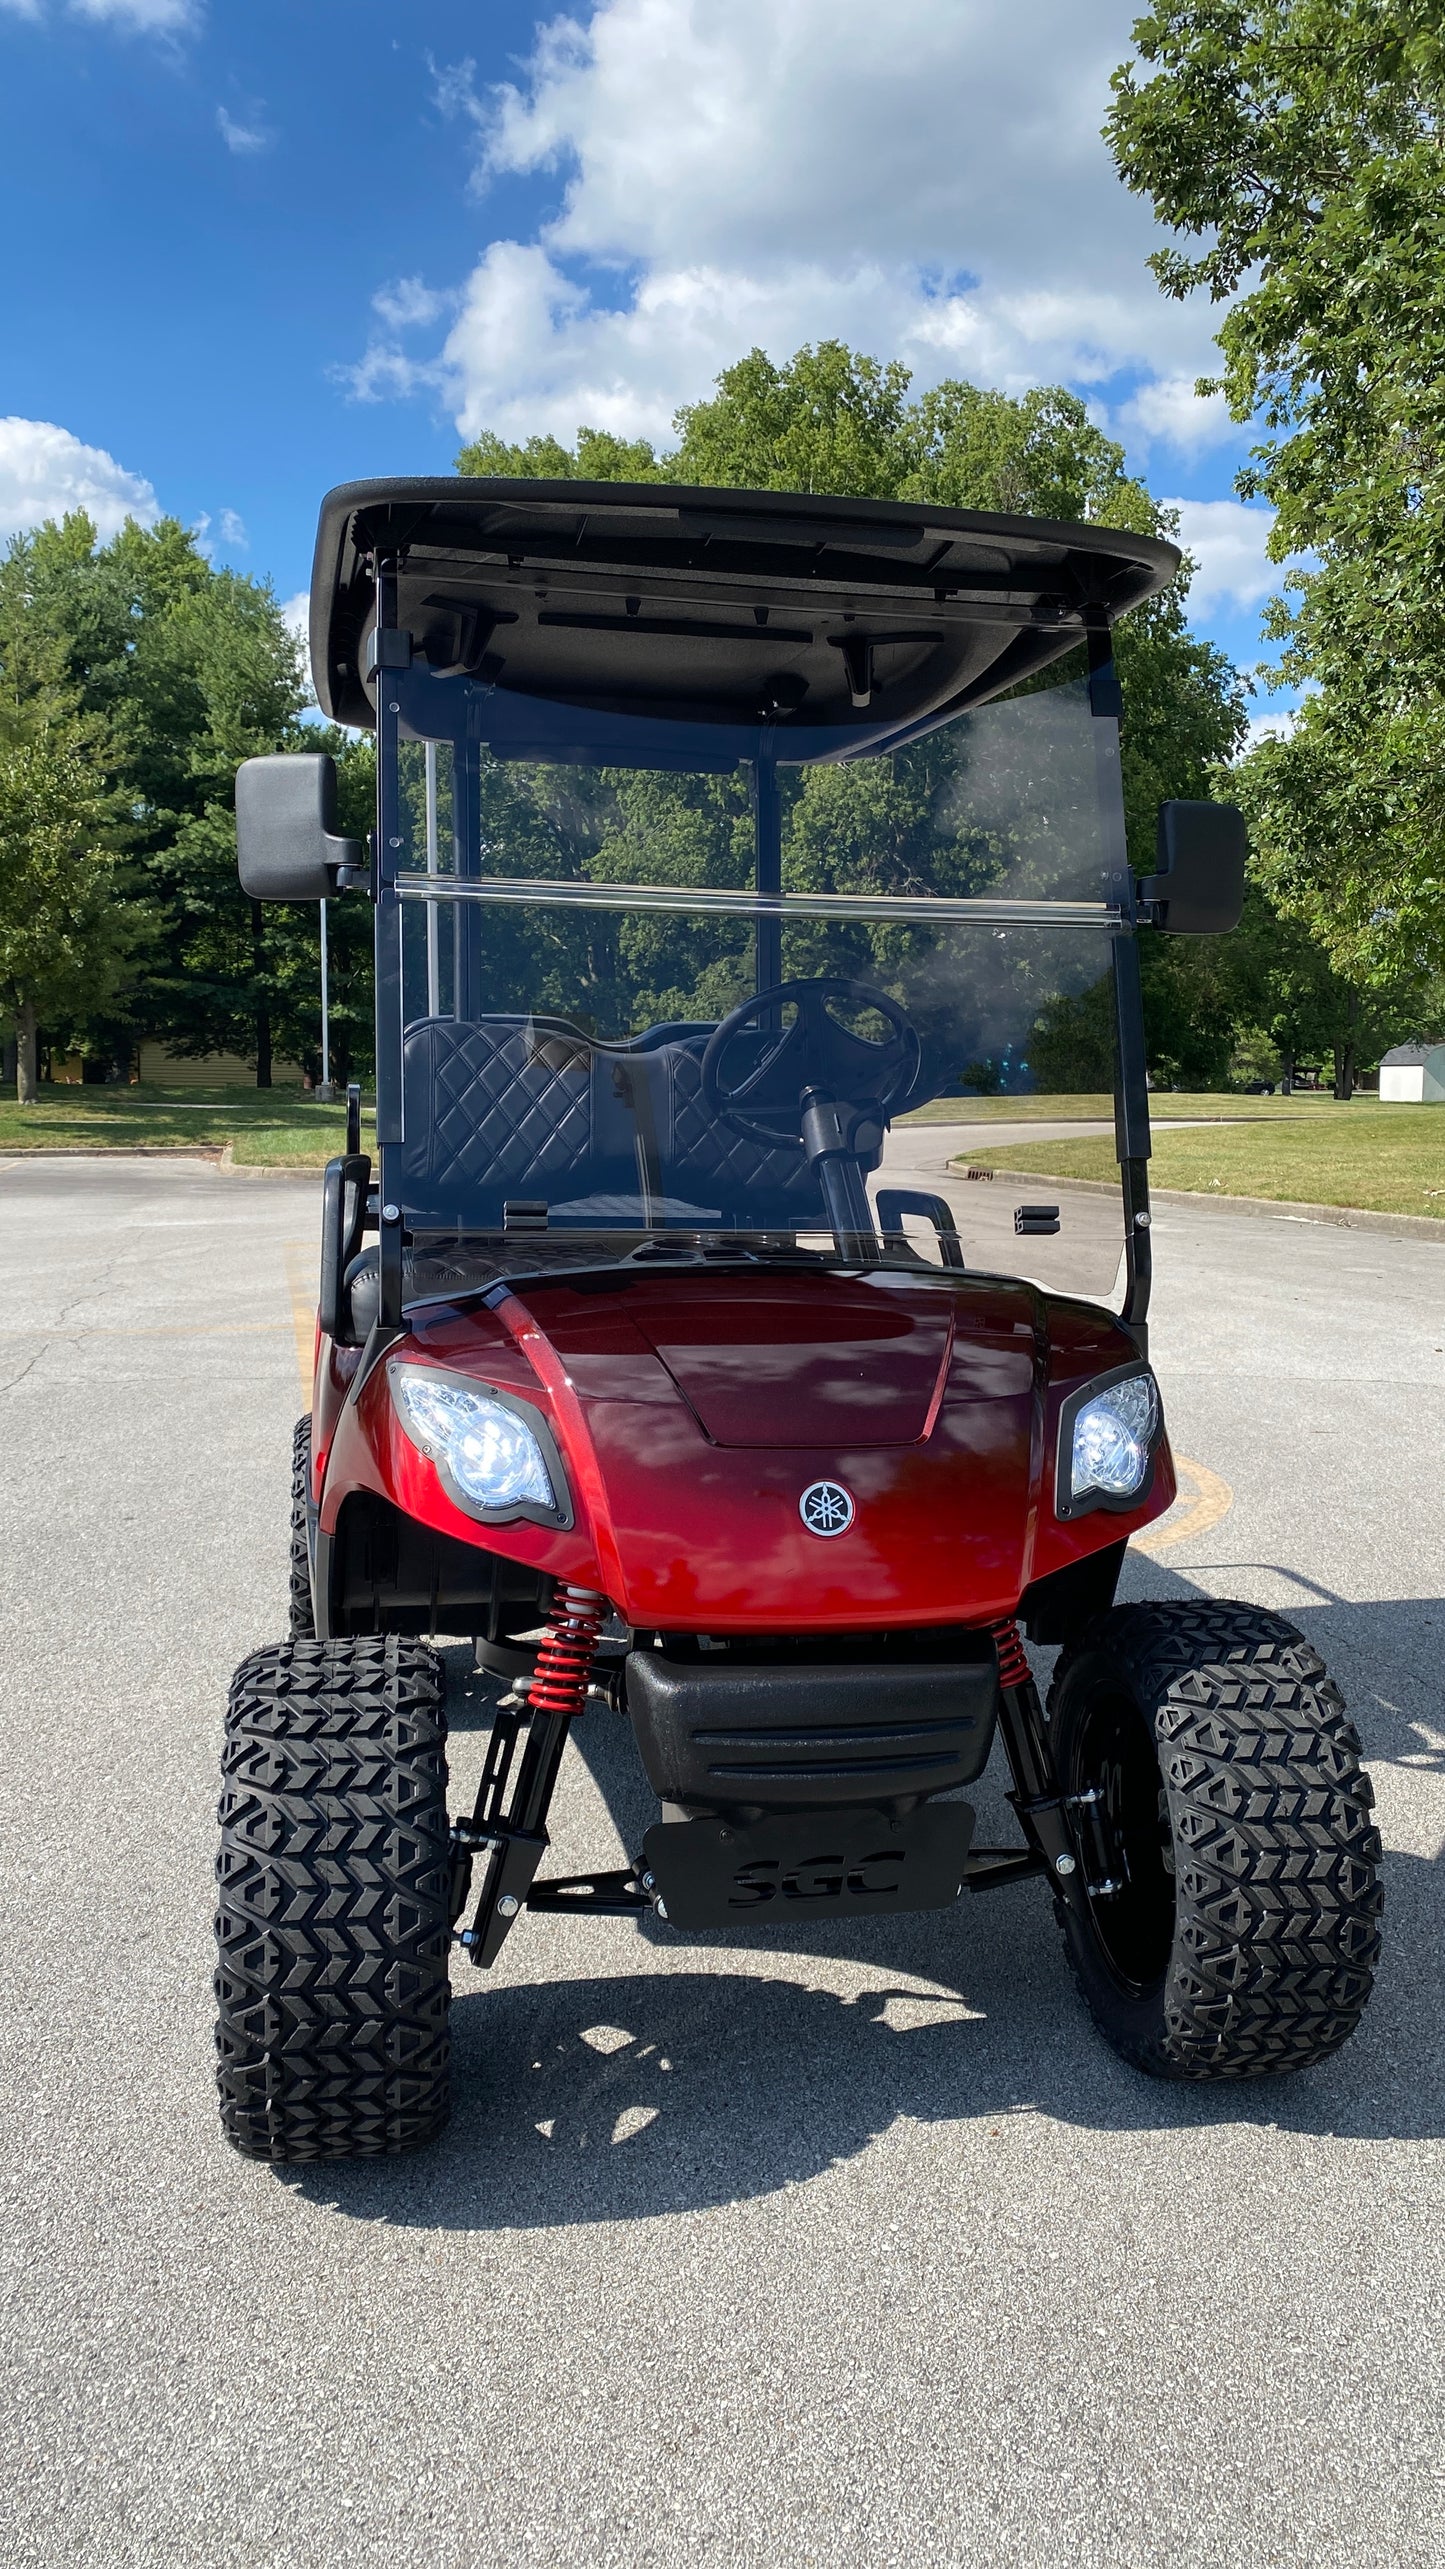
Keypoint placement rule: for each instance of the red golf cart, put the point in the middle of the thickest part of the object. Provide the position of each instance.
(735, 856)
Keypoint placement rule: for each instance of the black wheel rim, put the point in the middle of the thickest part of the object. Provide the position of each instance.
(1126, 1841)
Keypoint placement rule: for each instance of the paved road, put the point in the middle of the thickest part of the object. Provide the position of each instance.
(850, 2246)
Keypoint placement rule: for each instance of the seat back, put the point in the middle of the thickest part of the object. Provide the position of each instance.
(490, 1111)
(511, 1108)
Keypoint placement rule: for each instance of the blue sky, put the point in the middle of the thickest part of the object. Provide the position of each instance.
(275, 246)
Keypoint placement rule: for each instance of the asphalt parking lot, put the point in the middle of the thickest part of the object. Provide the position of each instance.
(850, 2246)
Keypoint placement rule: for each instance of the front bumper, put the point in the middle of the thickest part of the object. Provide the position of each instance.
(749, 1732)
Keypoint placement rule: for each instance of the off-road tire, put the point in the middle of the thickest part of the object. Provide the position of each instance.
(1263, 1958)
(301, 1620)
(333, 1926)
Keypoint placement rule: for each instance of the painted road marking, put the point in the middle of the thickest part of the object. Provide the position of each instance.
(300, 1256)
(1203, 1500)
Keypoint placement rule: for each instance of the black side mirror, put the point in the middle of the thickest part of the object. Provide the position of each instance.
(1199, 888)
(286, 843)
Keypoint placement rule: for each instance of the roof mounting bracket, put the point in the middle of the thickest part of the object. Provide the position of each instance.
(387, 647)
(858, 661)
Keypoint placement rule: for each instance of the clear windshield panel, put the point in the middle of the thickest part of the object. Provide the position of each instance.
(1003, 801)
(607, 1042)
(625, 1086)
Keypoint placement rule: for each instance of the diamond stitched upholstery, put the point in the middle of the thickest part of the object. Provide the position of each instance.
(515, 1107)
(702, 1157)
(490, 1111)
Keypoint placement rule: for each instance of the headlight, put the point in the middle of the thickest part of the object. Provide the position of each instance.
(494, 1452)
(1107, 1441)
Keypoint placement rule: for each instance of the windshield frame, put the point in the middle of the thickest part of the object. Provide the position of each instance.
(414, 705)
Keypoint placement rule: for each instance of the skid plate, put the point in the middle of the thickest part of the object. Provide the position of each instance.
(845, 1863)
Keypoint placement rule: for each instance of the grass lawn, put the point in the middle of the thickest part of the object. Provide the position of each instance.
(1165, 1106)
(281, 1128)
(1304, 1149)
(1382, 1159)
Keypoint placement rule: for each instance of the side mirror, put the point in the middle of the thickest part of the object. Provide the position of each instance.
(1199, 888)
(286, 843)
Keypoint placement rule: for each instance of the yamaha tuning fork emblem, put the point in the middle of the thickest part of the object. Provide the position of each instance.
(826, 1508)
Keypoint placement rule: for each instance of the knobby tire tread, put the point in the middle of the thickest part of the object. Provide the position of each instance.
(333, 1925)
(302, 1624)
(1277, 1927)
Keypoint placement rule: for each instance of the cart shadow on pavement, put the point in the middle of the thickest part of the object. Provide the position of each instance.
(716, 2069)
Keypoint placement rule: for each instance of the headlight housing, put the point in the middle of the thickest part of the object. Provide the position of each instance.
(496, 1455)
(1109, 1434)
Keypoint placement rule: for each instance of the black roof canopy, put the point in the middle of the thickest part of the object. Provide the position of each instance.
(712, 606)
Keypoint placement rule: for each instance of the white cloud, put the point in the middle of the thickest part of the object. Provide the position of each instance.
(409, 304)
(245, 138)
(1169, 412)
(45, 471)
(150, 16)
(1276, 726)
(1228, 540)
(143, 17)
(233, 529)
(296, 615)
(386, 373)
(927, 181)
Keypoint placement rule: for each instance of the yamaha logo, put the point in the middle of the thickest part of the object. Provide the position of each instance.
(826, 1508)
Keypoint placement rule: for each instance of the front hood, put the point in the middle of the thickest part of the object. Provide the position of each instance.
(694, 1410)
(711, 1403)
(774, 1362)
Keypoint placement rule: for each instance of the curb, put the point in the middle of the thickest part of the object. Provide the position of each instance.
(213, 1156)
(122, 1151)
(262, 1168)
(1344, 1217)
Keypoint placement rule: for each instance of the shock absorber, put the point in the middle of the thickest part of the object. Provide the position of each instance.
(1036, 1796)
(1013, 1666)
(564, 1660)
(556, 1693)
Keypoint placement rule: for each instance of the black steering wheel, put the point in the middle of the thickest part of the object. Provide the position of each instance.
(815, 1051)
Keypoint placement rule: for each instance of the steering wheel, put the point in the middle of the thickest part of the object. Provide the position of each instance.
(815, 1051)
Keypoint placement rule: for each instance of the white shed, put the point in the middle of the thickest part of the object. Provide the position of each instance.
(1414, 1074)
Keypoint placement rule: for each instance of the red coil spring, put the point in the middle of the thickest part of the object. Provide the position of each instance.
(1013, 1666)
(564, 1660)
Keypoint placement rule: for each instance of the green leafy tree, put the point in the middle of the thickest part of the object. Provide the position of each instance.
(62, 938)
(1296, 147)
(175, 671)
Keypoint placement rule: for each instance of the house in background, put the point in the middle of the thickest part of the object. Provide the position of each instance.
(1414, 1075)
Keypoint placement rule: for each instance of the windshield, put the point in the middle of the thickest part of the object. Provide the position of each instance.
(611, 1044)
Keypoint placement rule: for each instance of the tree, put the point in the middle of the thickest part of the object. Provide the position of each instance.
(177, 671)
(62, 941)
(1298, 142)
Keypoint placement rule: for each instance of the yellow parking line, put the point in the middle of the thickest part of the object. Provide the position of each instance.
(300, 1256)
(1203, 1499)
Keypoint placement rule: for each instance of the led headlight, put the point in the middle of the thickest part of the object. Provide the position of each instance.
(1108, 1437)
(495, 1453)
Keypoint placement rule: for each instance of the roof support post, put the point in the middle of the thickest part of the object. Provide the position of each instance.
(389, 850)
(767, 870)
(467, 860)
(1131, 1084)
